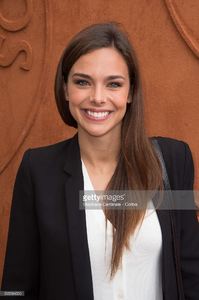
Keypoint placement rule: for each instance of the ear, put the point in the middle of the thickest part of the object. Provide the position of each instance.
(129, 100)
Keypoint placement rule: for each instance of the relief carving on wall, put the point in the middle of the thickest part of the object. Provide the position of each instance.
(21, 22)
(186, 19)
(25, 43)
(9, 54)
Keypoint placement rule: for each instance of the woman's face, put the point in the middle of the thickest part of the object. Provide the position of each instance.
(98, 91)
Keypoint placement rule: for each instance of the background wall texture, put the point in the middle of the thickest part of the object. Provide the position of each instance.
(33, 35)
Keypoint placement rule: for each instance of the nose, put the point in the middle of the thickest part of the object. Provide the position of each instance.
(98, 95)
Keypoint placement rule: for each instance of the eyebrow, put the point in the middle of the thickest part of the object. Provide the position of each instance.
(111, 77)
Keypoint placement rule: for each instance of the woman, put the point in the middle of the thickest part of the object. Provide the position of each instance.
(58, 251)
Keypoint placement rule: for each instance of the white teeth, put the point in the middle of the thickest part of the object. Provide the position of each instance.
(99, 115)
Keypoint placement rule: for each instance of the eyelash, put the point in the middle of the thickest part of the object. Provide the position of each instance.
(82, 82)
(116, 84)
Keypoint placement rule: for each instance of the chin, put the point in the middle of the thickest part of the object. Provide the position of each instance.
(96, 134)
(100, 133)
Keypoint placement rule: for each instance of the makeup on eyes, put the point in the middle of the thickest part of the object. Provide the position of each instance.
(83, 80)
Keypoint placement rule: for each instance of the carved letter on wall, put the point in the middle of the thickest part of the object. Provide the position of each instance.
(15, 25)
(11, 53)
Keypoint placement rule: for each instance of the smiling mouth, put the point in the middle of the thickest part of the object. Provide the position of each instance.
(97, 115)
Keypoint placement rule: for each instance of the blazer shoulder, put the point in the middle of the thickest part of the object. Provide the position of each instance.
(170, 143)
(178, 159)
(47, 156)
(51, 147)
(173, 148)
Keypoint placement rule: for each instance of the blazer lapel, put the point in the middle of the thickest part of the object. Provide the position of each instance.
(76, 222)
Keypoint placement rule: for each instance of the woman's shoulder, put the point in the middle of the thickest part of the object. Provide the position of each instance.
(173, 148)
(170, 143)
(51, 148)
(49, 154)
(178, 159)
(55, 147)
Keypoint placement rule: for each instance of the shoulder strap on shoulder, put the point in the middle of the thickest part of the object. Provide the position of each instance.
(164, 170)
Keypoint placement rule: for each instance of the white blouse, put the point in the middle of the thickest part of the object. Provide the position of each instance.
(139, 277)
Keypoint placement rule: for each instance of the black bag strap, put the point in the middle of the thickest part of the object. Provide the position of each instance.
(167, 187)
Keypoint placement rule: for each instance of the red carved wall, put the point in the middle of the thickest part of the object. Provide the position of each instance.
(33, 34)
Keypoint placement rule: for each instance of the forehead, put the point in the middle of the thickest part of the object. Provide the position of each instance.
(106, 60)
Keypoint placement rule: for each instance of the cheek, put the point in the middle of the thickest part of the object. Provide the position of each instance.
(76, 96)
(120, 100)
(72, 108)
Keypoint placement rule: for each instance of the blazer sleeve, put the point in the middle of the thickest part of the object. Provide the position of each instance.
(189, 235)
(21, 265)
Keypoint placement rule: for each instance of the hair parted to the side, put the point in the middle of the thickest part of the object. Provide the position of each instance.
(138, 167)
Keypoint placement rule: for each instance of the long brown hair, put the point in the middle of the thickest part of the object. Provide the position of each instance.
(138, 167)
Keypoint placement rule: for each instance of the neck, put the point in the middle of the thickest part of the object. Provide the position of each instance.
(101, 149)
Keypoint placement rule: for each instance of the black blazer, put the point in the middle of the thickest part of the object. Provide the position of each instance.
(47, 251)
